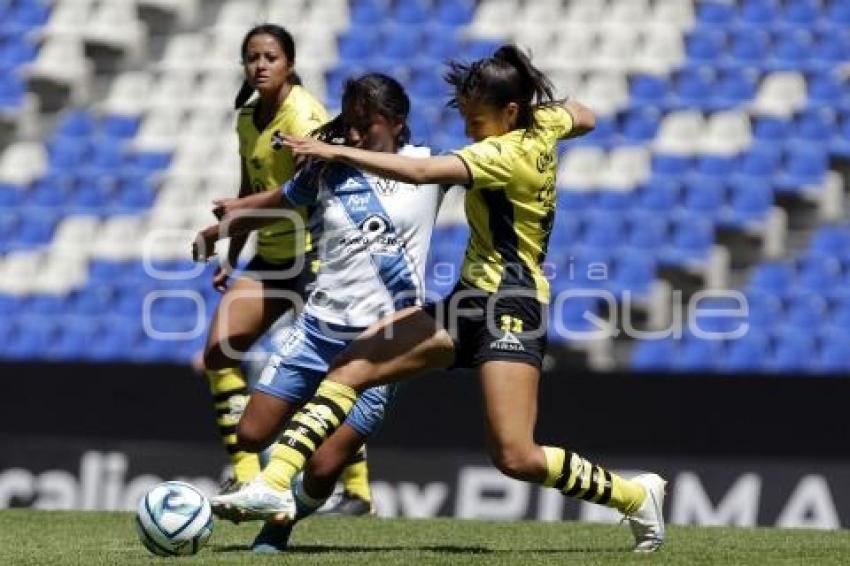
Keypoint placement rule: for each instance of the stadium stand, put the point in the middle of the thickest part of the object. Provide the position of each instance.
(716, 120)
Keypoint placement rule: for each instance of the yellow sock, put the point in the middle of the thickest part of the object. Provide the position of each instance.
(229, 391)
(576, 477)
(306, 431)
(355, 476)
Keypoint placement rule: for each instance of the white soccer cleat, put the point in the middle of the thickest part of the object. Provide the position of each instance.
(647, 522)
(255, 501)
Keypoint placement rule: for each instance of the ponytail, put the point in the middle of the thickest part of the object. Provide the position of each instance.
(507, 76)
(245, 93)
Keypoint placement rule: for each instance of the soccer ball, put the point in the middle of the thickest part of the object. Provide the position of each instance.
(174, 519)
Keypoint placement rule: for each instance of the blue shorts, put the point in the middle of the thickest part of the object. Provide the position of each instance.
(299, 363)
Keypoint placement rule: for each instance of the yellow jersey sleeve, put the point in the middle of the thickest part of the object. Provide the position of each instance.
(489, 162)
(555, 119)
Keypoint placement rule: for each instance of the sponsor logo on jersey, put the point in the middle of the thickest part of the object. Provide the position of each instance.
(358, 202)
(385, 187)
(507, 343)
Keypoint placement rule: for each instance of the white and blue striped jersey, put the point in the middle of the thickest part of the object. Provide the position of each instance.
(374, 240)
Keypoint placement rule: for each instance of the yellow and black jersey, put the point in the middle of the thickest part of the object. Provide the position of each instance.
(510, 204)
(269, 164)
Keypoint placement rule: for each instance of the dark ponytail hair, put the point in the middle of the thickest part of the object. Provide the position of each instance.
(507, 76)
(373, 93)
(287, 45)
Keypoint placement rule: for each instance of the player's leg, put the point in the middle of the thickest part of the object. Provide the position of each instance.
(243, 314)
(509, 391)
(356, 496)
(398, 347)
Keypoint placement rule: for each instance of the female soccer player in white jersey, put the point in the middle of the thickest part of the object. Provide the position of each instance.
(372, 254)
(494, 319)
(276, 278)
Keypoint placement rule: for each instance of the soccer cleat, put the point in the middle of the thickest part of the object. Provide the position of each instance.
(255, 501)
(647, 522)
(347, 504)
(273, 538)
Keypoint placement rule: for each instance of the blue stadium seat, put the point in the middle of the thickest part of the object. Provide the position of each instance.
(75, 123)
(440, 43)
(801, 12)
(761, 13)
(715, 315)
(794, 352)
(73, 338)
(658, 195)
(831, 240)
(654, 355)
(368, 12)
(54, 189)
(424, 85)
(37, 225)
(615, 200)
(805, 166)
(454, 12)
(413, 12)
(691, 240)
(791, 51)
(765, 310)
(693, 88)
(640, 125)
(671, 166)
(835, 356)
(400, 43)
(705, 45)
(356, 46)
(806, 310)
(715, 13)
(122, 127)
(566, 230)
(815, 126)
(150, 161)
(647, 91)
(839, 143)
(698, 355)
(633, 273)
(748, 203)
(714, 168)
(648, 231)
(603, 134)
(774, 278)
(605, 229)
(830, 49)
(11, 91)
(838, 12)
(818, 273)
(748, 353)
(748, 48)
(827, 91)
(571, 202)
(572, 318)
(66, 152)
(734, 89)
(704, 197)
(29, 14)
(771, 130)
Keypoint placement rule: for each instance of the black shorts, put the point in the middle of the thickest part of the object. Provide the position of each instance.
(509, 325)
(282, 276)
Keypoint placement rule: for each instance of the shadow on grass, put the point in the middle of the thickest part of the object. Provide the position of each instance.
(442, 549)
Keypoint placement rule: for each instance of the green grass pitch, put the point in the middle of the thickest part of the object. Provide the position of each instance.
(92, 538)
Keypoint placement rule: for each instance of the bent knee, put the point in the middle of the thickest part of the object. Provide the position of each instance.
(519, 463)
(252, 438)
(353, 372)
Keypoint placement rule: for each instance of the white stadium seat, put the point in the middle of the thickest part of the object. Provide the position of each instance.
(633, 12)
(580, 167)
(586, 11)
(185, 11)
(173, 89)
(160, 130)
(183, 52)
(780, 94)
(661, 50)
(62, 60)
(333, 15)
(626, 168)
(120, 238)
(129, 93)
(20, 270)
(22, 163)
(727, 133)
(573, 50)
(605, 93)
(240, 14)
(490, 18)
(115, 24)
(68, 17)
(678, 13)
(617, 44)
(218, 88)
(680, 133)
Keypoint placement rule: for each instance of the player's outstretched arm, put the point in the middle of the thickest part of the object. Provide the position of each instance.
(447, 169)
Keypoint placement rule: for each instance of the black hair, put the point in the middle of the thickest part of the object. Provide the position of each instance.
(287, 45)
(370, 94)
(507, 76)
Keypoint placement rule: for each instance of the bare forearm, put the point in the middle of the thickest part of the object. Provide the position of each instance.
(234, 249)
(386, 165)
(248, 214)
(584, 121)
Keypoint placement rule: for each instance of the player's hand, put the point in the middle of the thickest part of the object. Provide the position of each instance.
(310, 147)
(224, 206)
(221, 278)
(203, 248)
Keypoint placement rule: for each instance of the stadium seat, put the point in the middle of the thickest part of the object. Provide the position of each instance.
(698, 355)
(780, 94)
(758, 13)
(794, 351)
(647, 90)
(690, 242)
(693, 88)
(805, 166)
(765, 309)
(704, 197)
(734, 89)
(705, 46)
(634, 273)
(640, 125)
(791, 51)
(453, 12)
(654, 355)
(828, 92)
(748, 353)
(772, 278)
(801, 12)
(715, 13)
(680, 133)
(579, 168)
(748, 204)
(661, 50)
(748, 48)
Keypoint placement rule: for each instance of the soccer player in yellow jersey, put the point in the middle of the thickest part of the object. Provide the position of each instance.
(276, 278)
(494, 319)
